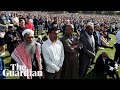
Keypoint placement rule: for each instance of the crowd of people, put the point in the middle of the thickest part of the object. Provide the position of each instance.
(68, 57)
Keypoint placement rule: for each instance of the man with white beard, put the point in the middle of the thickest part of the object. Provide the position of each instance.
(28, 53)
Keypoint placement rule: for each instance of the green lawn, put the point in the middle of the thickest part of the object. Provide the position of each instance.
(110, 52)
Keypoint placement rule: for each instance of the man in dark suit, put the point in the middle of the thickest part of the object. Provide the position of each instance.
(64, 26)
(36, 23)
(97, 37)
(88, 51)
(47, 23)
(106, 66)
(55, 23)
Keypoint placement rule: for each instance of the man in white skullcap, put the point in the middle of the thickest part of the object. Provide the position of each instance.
(91, 24)
(88, 51)
(28, 53)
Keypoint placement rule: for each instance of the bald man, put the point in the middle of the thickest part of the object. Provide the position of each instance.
(70, 69)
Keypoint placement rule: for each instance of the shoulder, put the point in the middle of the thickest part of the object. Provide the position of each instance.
(38, 44)
(63, 38)
(99, 58)
(45, 43)
(118, 32)
(59, 42)
(82, 36)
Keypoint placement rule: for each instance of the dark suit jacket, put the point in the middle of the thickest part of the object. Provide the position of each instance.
(87, 54)
(96, 42)
(101, 67)
(88, 50)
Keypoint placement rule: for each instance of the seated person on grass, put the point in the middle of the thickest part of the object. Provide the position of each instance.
(106, 66)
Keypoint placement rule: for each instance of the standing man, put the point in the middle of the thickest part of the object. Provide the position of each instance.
(55, 22)
(88, 51)
(28, 53)
(29, 24)
(70, 42)
(21, 27)
(2, 42)
(53, 54)
(47, 23)
(36, 23)
(41, 25)
(12, 38)
(117, 47)
(63, 27)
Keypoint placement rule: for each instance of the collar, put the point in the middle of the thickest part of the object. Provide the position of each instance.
(50, 42)
(88, 34)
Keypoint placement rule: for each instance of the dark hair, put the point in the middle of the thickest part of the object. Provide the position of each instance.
(28, 17)
(52, 28)
(21, 20)
(55, 17)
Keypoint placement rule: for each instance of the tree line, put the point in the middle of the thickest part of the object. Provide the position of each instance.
(97, 12)
(90, 12)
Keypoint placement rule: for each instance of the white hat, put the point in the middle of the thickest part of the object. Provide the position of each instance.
(27, 31)
(90, 23)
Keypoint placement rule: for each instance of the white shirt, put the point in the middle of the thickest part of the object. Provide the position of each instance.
(16, 20)
(98, 35)
(113, 26)
(104, 60)
(53, 54)
(91, 37)
(31, 20)
(118, 37)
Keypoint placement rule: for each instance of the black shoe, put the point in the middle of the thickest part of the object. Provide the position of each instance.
(112, 47)
(92, 63)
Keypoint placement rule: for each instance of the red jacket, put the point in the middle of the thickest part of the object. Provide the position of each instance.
(29, 26)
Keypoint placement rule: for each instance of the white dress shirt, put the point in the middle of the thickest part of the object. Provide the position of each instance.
(98, 35)
(53, 54)
(91, 37)
(118, 37)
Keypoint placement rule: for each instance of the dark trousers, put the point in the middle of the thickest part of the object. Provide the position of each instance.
(83, 67)
(36, 28)
(52, 75)
(117, 53)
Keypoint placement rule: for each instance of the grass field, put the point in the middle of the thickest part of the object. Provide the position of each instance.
(110, 52)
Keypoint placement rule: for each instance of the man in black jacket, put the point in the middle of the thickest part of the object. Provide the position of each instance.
(36, 23)
(97, 37)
